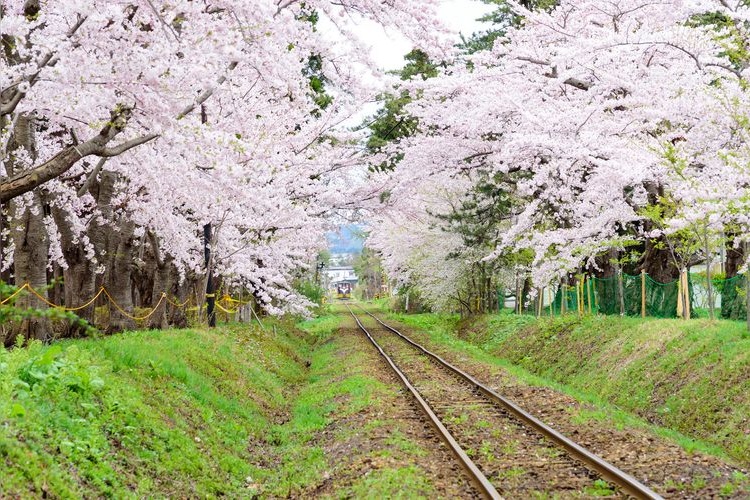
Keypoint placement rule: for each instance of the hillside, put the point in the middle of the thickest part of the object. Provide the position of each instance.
(193, 412)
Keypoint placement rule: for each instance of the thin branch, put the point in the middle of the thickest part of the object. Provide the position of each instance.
(206, 94)
(91, 177)
(121, 148)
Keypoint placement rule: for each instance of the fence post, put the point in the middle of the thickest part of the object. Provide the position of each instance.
(621, 292)
(683, 296)
(643, 293)
(564, 299)
(539, 301)
(588, 288)
(579, 294)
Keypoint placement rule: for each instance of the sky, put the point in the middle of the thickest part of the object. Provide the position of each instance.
(388, 48)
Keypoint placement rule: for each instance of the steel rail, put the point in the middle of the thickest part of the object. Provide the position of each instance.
(477, 477)
(625, 481)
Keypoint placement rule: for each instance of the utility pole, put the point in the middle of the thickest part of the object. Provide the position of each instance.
(210, 292)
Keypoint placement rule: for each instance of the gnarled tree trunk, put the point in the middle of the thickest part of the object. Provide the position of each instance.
(30, 239)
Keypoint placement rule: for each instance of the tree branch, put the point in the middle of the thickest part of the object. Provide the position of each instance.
(205, 94)
(121, 148)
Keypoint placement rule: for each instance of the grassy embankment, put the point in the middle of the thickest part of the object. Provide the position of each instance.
(689, 378)
(194, 412)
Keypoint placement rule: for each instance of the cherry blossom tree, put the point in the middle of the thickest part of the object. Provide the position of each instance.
(591, 112)
(126, 126)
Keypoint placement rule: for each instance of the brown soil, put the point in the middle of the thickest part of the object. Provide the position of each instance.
(657, 462)
(519, 462)
(360, 444)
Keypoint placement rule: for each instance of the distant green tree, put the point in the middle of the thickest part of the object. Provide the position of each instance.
(499, 20)
(369, 271)
(479, 218)
(391, 123)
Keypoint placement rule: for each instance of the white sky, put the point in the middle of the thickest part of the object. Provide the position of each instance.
(389, 47)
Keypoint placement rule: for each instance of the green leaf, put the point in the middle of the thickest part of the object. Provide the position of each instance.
(49, 356)
(17, 410)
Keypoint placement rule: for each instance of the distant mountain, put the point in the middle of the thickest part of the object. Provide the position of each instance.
(348, 239)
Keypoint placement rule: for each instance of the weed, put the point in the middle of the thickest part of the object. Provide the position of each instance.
(600, 488)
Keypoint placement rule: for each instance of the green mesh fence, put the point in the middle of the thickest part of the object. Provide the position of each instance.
(661, 298)
(635, 293)
(727, 297)
(607, 291)
(571, 300)
(733, 305)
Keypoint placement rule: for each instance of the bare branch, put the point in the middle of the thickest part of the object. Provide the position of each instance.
(121, 148)
(205, 94)
(91, 177)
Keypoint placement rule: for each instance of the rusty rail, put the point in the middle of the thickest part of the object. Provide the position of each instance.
(625, 481)
(478, 478)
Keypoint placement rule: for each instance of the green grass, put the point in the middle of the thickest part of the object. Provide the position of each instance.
(689, 378)
(144, 413)
(235, 411)
(405, 482)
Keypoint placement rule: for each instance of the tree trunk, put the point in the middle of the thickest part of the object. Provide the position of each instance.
(735, 256)
(709, 283)
(29, 236)
(162, 283)
(118, 278)
(181, 291)
(79, 279)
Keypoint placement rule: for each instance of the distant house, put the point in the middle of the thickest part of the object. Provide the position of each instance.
(339, 275)
(341, 259)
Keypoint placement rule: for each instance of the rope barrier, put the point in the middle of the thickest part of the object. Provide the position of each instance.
(103, 290)
(10, 297)
(220, 308)
(163, 298)
(176, 304)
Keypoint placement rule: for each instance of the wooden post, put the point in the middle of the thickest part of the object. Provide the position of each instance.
(643, 293)
(621, 292)
(564, 297)
(588, 285)
(582, 286)
(519, 306)
(540, 301)
(683, 296)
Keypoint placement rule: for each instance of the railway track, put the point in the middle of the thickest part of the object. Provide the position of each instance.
(504, 449)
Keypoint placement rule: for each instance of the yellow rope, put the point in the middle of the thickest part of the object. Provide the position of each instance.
(176, 304)
(127, 315)
(227, 298)
(44, 299)
(102, 290)
(7, 299)
(218, 306)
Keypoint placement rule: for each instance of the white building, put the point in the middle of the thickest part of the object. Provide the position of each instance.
(337, 275)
